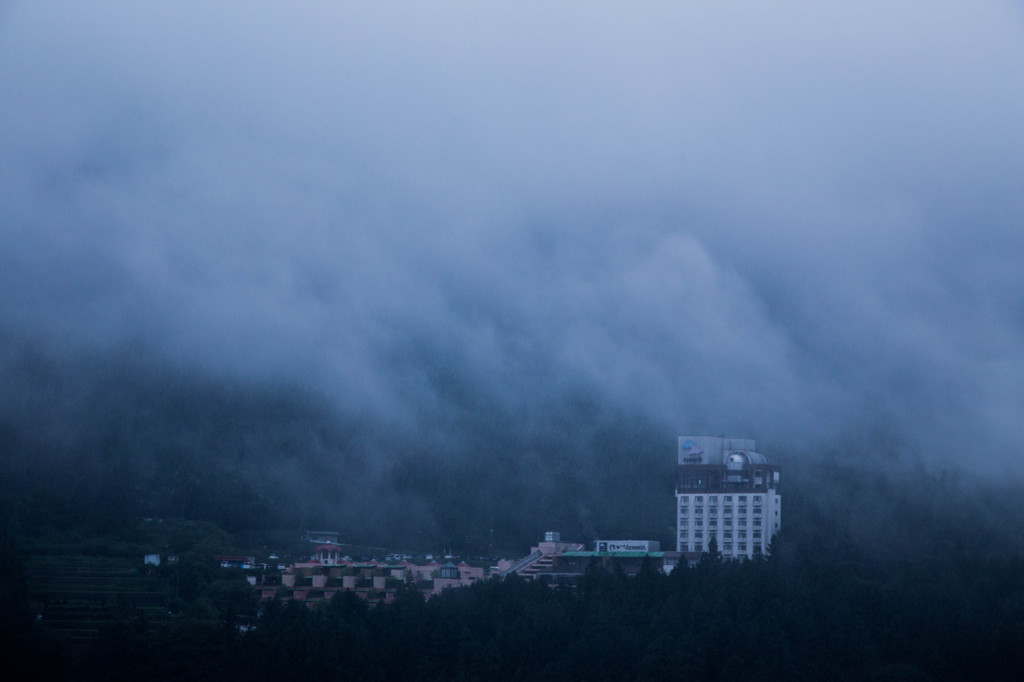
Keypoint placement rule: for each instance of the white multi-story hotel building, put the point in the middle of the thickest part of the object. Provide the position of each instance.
(727, 491)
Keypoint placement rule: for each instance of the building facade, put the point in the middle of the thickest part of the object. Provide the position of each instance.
(376, 582)
(728, 491)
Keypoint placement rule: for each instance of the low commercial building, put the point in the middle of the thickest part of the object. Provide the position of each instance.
(574, 564)
(565, 561)
(540, 558)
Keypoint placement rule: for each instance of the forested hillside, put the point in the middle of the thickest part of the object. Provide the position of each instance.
(93, 441)
(93, 444)
(888, 566)
(956, 618)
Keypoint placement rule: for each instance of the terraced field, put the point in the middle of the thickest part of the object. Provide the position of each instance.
(76, 595)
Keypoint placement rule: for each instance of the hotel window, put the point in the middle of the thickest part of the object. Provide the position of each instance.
(698, 499)
(757, 522)
(743, 535)
(727, 499)
(684, 511)
(684, 500)
(743, 547)
(742, 498)
(712, 499)
(728, 522)
(683, 523)
(698, 535)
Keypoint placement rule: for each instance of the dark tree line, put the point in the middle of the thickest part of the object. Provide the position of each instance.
(810, 619)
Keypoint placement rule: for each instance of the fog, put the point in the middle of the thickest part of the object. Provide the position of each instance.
(797, 223)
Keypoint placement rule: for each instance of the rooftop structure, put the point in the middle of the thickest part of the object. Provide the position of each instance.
(627, 546)
(725, 490)
(321, 536)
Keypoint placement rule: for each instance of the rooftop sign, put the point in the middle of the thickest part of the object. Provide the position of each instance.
(627, 546)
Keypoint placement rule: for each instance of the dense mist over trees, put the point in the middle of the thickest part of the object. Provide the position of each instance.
(103, 439)
(452, 274)
(92, 441)
(789, 223)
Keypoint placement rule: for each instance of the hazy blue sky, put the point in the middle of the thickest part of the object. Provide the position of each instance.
(785, 220)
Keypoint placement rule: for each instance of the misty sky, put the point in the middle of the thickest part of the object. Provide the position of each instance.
(787, 221)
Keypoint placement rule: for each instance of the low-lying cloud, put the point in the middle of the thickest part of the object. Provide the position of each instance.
(789, 222)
